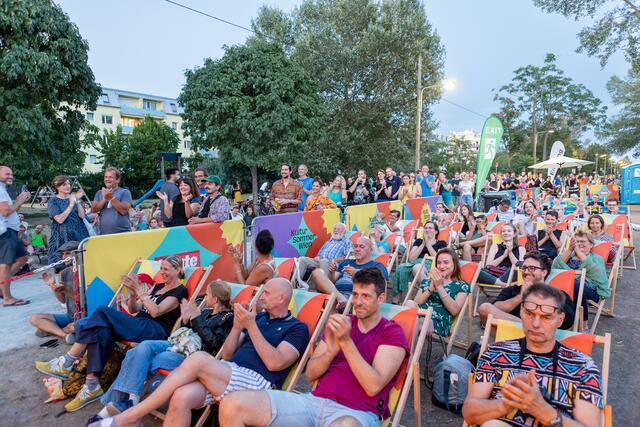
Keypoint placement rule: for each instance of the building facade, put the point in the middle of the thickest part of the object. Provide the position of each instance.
(127, 109)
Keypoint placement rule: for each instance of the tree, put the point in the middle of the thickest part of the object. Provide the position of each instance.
(616, 29)
(136, 155)
(551, 101)
(363, 55)
(623, 129)
(254, 105)
(514, 137)
(44, 79)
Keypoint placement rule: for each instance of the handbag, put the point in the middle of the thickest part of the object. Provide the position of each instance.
(185, 341)
(496, 270)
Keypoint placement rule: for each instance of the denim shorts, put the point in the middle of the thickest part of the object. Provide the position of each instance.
(307, 410)
(62, 320)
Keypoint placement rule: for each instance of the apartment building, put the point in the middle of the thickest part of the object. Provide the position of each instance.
(128, 109)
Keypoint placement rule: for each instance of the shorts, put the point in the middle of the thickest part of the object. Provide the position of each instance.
(241, 379)
(302, 410)
(11, 248)
(62, 320)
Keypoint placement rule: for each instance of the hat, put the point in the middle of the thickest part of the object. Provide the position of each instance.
(145, 278)
(69, 246)
(215, 179)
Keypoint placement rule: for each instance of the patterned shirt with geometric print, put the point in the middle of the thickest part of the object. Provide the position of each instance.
(576, 377)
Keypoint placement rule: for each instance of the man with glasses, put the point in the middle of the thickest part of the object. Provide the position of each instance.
(535, 268)
(612, 207)
(535, 380)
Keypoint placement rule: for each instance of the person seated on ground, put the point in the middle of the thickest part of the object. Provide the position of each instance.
(613, 207)
(550, 238)
(155, 311)
(598, 230)
(185, 205)
(333, 252)
(257, 355)
(444, 291)
(212, 325)
(477, 240)
(501, 257)
(508, 391)
(595, 206)
(59, 325)
(528, 223)
(504, 213)
(440, 209)
(340, 279)
(535, 268)
(468, 220)
(578, 255)
(317, 200)
(39, 241)
(263, 266)
(355, 365)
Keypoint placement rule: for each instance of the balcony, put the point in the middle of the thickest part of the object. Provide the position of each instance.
(140, 112)
(127, 130)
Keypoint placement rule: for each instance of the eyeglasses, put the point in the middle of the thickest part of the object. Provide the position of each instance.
(531, 306)
(531, 268)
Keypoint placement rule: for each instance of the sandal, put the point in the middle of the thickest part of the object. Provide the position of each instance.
(17, 302)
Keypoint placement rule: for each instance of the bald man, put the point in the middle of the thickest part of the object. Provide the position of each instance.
(257, 355)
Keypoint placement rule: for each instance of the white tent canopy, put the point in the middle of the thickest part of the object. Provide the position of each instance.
(561, 162)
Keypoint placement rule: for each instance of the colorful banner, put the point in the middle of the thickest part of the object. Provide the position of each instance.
(610, 191)
(300, 233)
(557, 149)
(420, 208)
(107, 258)
(489, 140)
(359, 217)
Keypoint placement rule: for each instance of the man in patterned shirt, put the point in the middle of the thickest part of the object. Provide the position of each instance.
(536, 380)
(286, 193)
(332, 253)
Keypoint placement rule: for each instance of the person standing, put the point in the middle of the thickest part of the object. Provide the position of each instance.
(200, 177)
(66, 213)
(360, 191)
(216, 207)
(425, 180)
(112, 203)
(13, 255)
(307, 183)
(172, 193)
(286, 193)
(184, 206)
(465, 186)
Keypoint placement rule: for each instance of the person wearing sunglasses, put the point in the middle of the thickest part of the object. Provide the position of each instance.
(535, 268)
(530, 378)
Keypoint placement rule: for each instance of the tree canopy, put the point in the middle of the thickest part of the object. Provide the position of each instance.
(44, 79)
(623, 129)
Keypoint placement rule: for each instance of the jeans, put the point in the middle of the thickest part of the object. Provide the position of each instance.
(467, 199)
(588, 294)
(486, 277)
(139, 363)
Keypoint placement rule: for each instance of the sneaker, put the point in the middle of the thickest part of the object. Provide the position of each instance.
(41, 334)
(83, 398)
(70, 338)
(115, 408)
(54, 368)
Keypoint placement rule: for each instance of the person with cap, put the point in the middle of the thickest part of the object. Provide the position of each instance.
(60, 325)
(216, 206)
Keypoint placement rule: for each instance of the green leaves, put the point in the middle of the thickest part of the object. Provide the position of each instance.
(623, 130)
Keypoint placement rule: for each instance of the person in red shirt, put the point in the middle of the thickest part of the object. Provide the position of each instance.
(355, 365)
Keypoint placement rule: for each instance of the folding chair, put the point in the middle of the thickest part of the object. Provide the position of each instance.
(612, 283)
(285, 267)
(622, 225)
(506, 330)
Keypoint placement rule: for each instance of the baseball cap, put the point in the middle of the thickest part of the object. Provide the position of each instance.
(69, 246)
(215, 179)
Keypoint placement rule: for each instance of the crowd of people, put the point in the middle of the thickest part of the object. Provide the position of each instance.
(355, 364)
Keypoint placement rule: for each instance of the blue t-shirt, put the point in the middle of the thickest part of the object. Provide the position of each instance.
(275, 331)
(307, 183)
(344, 284)
(426, 190)
(111, 221)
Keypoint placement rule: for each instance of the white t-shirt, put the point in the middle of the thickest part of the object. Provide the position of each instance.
(466, 188)
(12, 220)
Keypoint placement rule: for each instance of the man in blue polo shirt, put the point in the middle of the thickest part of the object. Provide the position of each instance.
(257, 355)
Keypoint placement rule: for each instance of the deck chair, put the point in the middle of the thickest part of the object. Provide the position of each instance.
(626, 236)
(612, 283)
(285, 267)
(506, 330)
(313, 309)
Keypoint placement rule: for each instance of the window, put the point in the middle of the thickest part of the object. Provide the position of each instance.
(174, 109)
(149, 105)
(93, 159)
(187, 145)
(174, 125)
(89, 116)
(107, 120)
(105, 98)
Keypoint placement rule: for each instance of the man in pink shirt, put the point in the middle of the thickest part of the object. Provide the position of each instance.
(355, 364)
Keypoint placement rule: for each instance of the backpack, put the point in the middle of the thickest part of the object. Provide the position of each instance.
(451, 382)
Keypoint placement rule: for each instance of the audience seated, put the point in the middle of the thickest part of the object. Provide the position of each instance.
(550, 238)
(444, 291)
(598, 230)
(535, 380)
(535, 268)
(502, 257)
(257, 353)
(333, 252)
(263, 266)
(155, 311)
(504, 213)
(355, 366)
(477, 240)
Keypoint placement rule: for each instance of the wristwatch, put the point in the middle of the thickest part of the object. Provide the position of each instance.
(557, 422)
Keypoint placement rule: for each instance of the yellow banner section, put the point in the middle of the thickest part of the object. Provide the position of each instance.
(359, 217)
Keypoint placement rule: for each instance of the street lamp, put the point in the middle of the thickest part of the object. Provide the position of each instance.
(444, 85)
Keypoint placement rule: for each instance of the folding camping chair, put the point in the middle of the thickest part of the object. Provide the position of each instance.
(612, 283)
(285, 267)
(506, 330)
(625, 235)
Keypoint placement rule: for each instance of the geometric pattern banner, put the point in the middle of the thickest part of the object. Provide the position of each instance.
(108, 257)
(300, 233)
(359, 217)
(420, 208)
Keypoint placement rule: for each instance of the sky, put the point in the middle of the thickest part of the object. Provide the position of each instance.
(146, 45)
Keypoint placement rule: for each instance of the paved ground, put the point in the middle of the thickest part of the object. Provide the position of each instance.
(22, 392)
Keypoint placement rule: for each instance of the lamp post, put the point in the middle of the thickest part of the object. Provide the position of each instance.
(447, 84)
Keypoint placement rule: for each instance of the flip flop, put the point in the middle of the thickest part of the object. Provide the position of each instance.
(17, 303)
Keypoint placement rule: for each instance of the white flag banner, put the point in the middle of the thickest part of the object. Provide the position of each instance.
(557, 149)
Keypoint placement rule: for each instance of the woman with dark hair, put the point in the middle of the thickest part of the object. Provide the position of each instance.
(317, 201)
(186, 205)
(66, 213)
(501, 257)
(444, 291)
(155, 310)
(468, 221)
(262, 268)
(248, 216)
